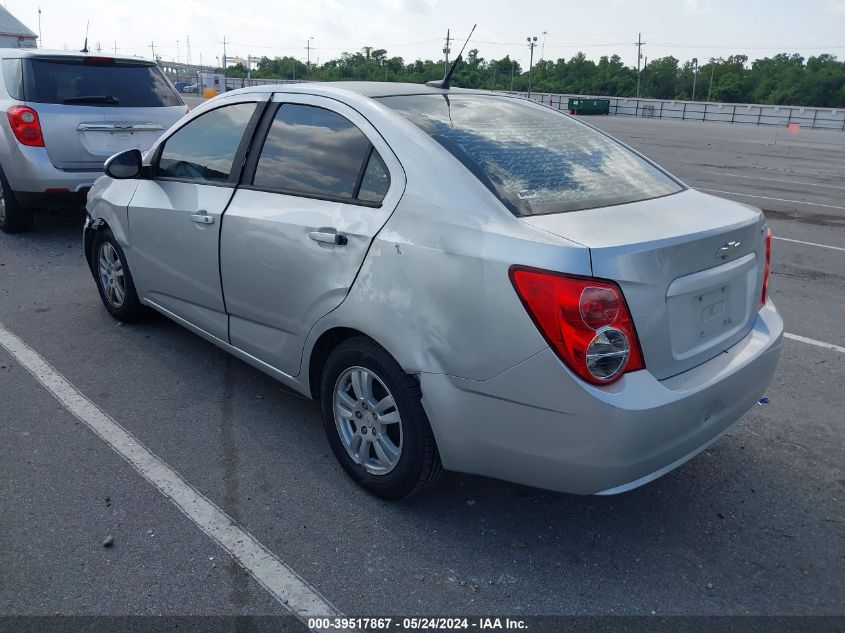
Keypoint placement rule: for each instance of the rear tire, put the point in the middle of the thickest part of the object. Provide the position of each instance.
(353, 420)
(113, 279)
(13, 217)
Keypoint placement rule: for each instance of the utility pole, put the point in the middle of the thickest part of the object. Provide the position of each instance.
(224, 54)
(645, 63)
(532, 42)
(712, 72)
(446, 51)
(543, 48)
(188, 45)
(177, 51)
(640, 44)
(40, 41)
(308, 47)
(694, 75)
(153, 49)
(115, 47)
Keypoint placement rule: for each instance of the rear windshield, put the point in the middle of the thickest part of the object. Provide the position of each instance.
(107, 84)
(535, 160)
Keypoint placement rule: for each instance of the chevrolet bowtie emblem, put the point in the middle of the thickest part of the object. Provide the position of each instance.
(727, 250)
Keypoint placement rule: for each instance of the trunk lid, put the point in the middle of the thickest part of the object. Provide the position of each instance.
(81, 138)
(690, 266)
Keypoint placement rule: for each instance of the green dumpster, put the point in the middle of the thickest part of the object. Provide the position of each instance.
(589, 106)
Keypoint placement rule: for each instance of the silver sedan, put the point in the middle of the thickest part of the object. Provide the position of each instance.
(463, 280)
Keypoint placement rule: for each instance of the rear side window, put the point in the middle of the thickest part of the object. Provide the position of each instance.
(535, 160)
(105, 83)
(314, 152)
(204, 149)
(376, 179)
(13, 77)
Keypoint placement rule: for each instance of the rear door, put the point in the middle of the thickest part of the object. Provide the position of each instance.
(320, 183)
(93, 107)
(175, 216)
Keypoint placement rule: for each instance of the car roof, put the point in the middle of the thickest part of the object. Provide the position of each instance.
(372, 89)
(364, 88)
(8, 53)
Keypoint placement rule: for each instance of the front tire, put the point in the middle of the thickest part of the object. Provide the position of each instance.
(114, 281)
(375, 422)
(13, 217)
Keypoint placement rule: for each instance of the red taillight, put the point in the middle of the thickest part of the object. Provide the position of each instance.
(585, 320)
(25, 125)
(768, 266)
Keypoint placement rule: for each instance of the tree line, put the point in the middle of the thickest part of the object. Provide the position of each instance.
(784, 79)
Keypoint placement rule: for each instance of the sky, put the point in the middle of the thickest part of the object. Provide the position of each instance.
(416, 28)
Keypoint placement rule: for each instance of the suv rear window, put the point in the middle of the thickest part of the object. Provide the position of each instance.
(108, 83)
(535, 160)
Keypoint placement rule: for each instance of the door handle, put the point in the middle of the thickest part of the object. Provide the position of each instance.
(202, 218)
(329, 238)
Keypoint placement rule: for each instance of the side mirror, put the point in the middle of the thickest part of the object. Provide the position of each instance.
(125, 165)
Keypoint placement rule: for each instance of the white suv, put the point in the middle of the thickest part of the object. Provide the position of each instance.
(66, 113)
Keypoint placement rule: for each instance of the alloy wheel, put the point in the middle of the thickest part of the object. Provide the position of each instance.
(112, 280)
(367, 420)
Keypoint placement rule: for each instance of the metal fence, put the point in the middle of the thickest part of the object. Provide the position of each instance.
(754, 114)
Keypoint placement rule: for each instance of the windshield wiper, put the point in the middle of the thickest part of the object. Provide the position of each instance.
(93, 99)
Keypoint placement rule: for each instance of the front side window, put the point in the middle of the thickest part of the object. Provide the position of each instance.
(205, 148)
(315, 152)
(535, 160)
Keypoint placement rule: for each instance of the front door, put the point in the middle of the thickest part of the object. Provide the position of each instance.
(175, 217)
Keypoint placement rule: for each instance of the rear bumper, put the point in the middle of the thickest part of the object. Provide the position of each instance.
(536, 424)
(52, 199)
(38, 183)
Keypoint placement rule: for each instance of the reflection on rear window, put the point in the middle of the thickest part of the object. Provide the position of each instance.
(536, 160)
(109, 84)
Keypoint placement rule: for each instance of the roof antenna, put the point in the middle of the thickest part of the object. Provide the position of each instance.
(85, 48)
(444, 83)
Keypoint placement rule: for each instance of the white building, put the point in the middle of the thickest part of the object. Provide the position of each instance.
(13, 32)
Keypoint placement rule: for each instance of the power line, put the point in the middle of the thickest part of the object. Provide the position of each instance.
(748, 48)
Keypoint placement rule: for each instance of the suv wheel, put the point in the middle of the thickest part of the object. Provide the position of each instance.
(13, 217)
(114, 281)
(375, 422)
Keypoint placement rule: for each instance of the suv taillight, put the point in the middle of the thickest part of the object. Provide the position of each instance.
(25, 126)
(585, 320)
(768, 266)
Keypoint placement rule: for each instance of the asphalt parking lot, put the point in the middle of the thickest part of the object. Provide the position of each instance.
(755, 525)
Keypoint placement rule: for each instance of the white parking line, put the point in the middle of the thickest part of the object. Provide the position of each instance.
(748, 195)
(791, 182)
(283, 583)
(788, 239)
(812, 341)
